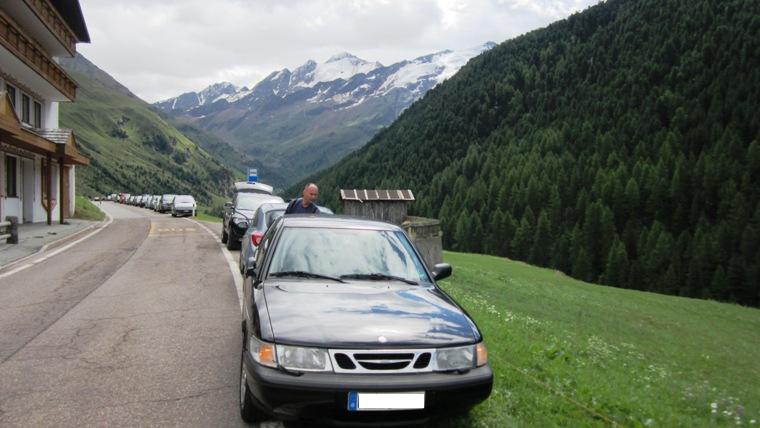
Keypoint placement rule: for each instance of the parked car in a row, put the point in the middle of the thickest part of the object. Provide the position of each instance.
(262, 219)
(178, 205)
(344, 323)
(239, 212)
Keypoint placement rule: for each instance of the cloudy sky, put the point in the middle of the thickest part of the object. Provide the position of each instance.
(160, 49)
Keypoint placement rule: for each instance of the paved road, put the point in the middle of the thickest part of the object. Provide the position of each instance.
(137, 326)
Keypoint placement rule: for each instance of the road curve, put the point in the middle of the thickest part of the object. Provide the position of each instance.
(136, 326)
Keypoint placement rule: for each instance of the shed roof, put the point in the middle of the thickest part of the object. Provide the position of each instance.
(363, 195)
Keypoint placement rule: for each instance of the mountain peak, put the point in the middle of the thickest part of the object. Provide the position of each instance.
(220, 85)
(341, 56)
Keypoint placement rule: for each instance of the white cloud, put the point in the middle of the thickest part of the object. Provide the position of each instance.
(159, 49)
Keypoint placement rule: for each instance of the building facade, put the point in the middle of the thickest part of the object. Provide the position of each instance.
(37, 158)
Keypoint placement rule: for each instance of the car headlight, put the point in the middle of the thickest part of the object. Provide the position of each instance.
(461, 358)
(240, 222)
(262, 352)
(303, 359)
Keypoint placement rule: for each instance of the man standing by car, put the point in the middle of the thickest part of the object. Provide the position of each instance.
(306, 204)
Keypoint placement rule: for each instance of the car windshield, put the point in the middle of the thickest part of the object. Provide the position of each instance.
(184, 199)
(168, 198)
(273, 215)
(358, 253)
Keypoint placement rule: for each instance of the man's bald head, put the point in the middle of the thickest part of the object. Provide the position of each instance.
(310, 194)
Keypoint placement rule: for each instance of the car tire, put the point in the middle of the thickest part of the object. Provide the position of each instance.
(248, 410)
(231, 245)
(225, 237)
(241, 266)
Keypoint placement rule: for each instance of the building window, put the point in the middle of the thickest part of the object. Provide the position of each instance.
(25, 108)
(11, 94)
(10, 177)
(37, 115)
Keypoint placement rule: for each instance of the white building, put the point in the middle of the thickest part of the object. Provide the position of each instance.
(37, 160)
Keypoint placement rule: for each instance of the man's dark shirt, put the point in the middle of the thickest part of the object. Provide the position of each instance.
(296, 207)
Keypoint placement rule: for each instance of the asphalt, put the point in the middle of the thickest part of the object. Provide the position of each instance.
(36, 237)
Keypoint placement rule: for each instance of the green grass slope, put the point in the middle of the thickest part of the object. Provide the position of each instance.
(569, 353)
(131, 148)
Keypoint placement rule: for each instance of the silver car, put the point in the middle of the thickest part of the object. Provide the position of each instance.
(265, 215)
(183, 205)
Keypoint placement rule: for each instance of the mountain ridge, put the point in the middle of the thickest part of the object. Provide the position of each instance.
(303, 120)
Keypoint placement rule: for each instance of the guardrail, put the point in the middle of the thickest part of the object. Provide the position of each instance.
(9, 230)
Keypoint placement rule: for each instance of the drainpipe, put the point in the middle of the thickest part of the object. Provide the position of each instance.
(61, 201)
(49, 179)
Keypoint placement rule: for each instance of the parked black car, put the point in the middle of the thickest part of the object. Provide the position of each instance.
(238, 214)
(343, 323)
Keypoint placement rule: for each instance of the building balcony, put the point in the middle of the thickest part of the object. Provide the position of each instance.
(31, 54)
(54, 23)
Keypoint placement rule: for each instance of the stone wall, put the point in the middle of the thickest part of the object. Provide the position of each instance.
(425, 233)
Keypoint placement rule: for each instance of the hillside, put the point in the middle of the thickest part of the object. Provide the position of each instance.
(131, 148)
(304, 120)
(619, 145)
(569, 353)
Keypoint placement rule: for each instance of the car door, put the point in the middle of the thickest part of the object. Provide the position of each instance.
(249, 292)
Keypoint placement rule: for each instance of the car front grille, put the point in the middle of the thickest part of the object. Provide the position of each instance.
(381, 361)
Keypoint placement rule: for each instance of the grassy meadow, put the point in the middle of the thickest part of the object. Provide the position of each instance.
(569, 353)
(86, 210)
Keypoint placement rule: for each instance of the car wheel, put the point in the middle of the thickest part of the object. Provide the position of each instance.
(225, 237)
(231, 244)
(248, 411)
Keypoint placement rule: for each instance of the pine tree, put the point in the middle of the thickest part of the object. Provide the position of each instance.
(540, 252)
(521, 243)
(616, 271)
(582, 266)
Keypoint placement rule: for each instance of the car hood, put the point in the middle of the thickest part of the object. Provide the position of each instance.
(365, 314)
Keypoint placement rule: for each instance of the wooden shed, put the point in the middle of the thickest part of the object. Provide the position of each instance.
(384, 205)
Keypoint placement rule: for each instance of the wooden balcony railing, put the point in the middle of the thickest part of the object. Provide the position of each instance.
(25, 48)
(53, 21)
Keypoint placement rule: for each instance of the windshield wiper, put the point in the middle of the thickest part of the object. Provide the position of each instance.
(378, 277)
(303, 274)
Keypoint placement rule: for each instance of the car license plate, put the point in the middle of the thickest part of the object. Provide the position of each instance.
(359, 401)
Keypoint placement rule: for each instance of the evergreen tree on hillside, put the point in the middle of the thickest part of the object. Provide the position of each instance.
(630, 128)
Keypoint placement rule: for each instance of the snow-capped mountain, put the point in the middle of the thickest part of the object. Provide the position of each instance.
(317, 113)
(190, 100)
(335, 81)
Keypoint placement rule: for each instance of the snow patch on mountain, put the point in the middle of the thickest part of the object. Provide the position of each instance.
(343, 81)
(341, 66)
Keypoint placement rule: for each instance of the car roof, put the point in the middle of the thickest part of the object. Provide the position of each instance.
(244, 187)
(335, 221)
(271, 206)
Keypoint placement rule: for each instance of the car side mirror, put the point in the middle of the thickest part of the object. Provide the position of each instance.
(228, 204)
(250, 270)
(441, 271)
